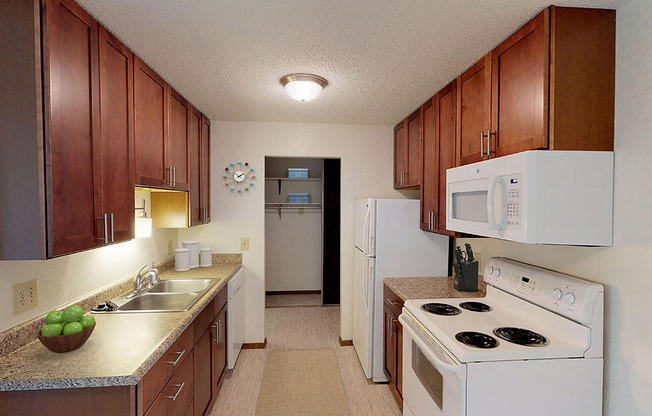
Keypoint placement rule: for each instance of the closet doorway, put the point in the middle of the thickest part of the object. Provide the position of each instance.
(302, 231)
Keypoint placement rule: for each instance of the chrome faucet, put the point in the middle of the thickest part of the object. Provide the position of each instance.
(146, 281)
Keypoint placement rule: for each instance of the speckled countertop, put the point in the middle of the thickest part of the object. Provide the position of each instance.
(121, 350)
(430, 288)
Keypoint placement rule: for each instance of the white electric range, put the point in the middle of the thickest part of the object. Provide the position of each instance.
(532, 346)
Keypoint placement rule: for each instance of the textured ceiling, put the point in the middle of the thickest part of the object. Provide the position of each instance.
(382, 58)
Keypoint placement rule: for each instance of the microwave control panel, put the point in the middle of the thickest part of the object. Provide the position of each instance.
(513, 185)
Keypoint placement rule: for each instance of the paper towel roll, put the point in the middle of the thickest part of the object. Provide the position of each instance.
(205, 257)
(193, 246)
(182, 259)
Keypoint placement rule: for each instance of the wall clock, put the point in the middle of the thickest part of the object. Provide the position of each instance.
(239, 176)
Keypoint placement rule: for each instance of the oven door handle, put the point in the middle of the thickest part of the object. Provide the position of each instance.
(430, 351)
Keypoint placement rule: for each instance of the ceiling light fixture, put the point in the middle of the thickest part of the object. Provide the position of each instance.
(303, 87)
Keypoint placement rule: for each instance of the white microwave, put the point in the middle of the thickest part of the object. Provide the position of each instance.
(538, 197)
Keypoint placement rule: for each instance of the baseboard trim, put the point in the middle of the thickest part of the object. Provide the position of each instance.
(293, 292)
(255, 345)
(346, 342)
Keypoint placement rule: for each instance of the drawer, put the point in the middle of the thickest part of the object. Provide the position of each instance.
(161, 372)
(176, 396)
(392, 300)
(220, 300)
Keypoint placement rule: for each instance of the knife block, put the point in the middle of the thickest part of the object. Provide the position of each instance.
(467, 278)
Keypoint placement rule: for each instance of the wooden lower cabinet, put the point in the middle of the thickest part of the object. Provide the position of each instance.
(177, 395)
(393, 342)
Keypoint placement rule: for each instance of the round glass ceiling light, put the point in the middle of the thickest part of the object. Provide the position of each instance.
(303, 87)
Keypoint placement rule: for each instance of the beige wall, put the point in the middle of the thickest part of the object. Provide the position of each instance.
(623, 269)
(367, 164)
(65, 279)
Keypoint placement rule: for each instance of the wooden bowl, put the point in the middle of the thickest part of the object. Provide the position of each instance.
(66, 343)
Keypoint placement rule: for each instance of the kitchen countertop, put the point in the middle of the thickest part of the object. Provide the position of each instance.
(122, 348)
(430, 288)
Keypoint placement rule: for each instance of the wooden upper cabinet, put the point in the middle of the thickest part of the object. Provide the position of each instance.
(177, 150)
(407, 152)
(430, 181)
(474, 112)
(194, 148)
(519, 85)
(445, 122)
(117, 135)
(151, 127)
(205, 179)
(72, 133)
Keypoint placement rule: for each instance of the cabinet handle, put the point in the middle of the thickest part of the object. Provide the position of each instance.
(481, 145)
(217, 325)
(174, 363)
(389, 323)
(174, 176)
(112, 235)
(106, 229)
(180, 386)
(392, 302)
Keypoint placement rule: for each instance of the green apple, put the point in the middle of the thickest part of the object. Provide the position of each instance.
(72, 313)
(51, 330)
(87, 321)
(54, 317)
(72, 327)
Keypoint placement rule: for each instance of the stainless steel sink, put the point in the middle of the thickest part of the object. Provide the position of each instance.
(168, 295)
(182, 285)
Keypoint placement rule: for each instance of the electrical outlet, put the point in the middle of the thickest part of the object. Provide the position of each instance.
(170, 250)
(244, 243)
(25, 296)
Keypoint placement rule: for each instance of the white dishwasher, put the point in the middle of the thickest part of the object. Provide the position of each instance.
(235, 317)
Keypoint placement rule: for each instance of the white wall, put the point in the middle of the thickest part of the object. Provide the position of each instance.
(367, 169)
(65, 279)
(623, 269)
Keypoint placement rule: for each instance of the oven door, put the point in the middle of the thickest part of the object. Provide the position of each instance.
(434, 382)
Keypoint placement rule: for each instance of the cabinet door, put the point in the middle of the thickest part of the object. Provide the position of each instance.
(519, 86)
(205, 169)
(414, 149)
(195, 168)
(72, 120)
(151, 127)
(219, 349)
(474, 112)
(400, 154)
(177, 150)
(430, 181)
(399, 358)
(117, 133)
(389, 360)
(202, 380)
(446, 106)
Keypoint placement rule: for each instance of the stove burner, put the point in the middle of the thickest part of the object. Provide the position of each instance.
(521, 336)
(475, 306)
(476, 339)
(441, 309)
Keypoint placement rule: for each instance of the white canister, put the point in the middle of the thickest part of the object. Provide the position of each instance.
(181, 259)
(205, 257)
(193, 246)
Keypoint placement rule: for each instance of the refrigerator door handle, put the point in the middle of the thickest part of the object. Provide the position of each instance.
(365, 229)
(365, 281)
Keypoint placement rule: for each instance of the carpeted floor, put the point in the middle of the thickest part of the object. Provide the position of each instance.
(302, 328)
(300, 299)
(299, 383)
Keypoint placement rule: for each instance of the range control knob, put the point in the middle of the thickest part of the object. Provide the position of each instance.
(569, 298)
(557, 294)
(489, 270)
(496, 272)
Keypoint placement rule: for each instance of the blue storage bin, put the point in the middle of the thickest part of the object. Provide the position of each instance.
(299, 198)
(297, 172)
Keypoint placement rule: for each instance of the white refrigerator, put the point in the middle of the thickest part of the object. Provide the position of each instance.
(388, 243)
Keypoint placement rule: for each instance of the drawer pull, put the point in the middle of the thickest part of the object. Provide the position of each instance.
(174, 363)
(392, 302)
(173, 398)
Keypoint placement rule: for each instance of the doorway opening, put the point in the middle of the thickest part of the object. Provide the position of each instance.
(302, 231)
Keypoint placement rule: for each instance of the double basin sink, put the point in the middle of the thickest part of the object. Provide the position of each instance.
(168, 295)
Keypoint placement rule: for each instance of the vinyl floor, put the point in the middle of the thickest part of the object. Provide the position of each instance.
(277, 301)
(302, 328)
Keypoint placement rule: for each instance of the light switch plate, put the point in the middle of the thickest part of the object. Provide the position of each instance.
(244, 243)
(25, 296)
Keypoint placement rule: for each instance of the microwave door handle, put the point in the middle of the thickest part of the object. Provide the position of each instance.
(428, 350)
(495, 180)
